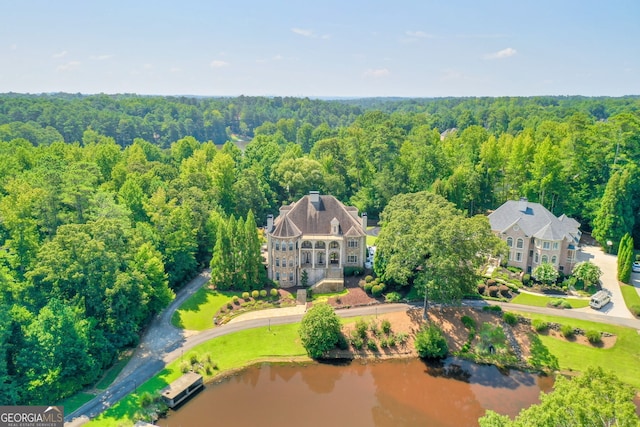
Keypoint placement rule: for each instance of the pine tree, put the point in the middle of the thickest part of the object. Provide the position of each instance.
(221, 261)
(233, 250)
(625, 258)
(240, 242)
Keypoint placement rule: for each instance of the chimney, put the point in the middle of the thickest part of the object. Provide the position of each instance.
(364, 221)
(522, 204)
(314, 197)
(269, 223)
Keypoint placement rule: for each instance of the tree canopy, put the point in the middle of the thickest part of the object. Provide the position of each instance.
(320, 330)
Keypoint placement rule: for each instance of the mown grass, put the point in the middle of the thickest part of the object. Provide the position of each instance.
(543, 301)
(74, 402)
(630, 295)
(230, 352)
(197, 312)
(623, 358)
(325, 297)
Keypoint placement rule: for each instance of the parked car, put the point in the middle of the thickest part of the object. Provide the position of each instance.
(636, 267)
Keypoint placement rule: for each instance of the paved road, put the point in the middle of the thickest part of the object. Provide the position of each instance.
(163, 343)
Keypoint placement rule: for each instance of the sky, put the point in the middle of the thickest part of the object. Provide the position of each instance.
(321, 48)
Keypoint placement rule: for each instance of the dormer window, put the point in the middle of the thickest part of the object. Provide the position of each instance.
(335, 226)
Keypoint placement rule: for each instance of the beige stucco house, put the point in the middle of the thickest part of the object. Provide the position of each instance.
(316, 234)
(535, 236)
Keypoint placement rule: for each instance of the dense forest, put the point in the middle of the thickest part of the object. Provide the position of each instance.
(108, 204)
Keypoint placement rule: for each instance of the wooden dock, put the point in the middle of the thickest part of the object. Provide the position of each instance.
(182, 388)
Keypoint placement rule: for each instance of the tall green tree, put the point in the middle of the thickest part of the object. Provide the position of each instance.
(320, 330)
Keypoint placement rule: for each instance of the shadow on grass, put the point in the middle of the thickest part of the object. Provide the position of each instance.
(198, 300)
(541, 357)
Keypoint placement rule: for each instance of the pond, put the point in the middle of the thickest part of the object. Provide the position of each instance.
(384, 394)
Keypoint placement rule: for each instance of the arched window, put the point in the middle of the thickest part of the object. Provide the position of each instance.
(510, 241)
(284, 262)
(290, 246)
(277, 245)
(554, 259)
(320, 245)
(306, 245)
(277, 262)
(334, 245)
(519, 243)
(545, 259)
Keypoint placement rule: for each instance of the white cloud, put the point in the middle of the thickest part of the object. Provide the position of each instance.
(278, 57)
(377, 73)
(60, 54)
(72, 65)
(501, 54)
(303, 32)
(100, 57)
(219, 64)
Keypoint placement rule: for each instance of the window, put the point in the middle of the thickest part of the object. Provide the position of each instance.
(352, 259)
(353, 243)
(554, 259)
(510, 256)
(319, 245)
(277, 275)
(306, 245)
(555, 246)
(530, 254)
(320, 258)
(284, 262)
(536, 259)
(537, 243)
(291, 277)
(334, 245)
(519, 243)
(277, 262)
(277, 246)
(545, 259)
(290, 246)
(284, 246)
(545, 245)
(510, 241)
(334, 258)
(561, 268)
(518, 256)
(570, 255)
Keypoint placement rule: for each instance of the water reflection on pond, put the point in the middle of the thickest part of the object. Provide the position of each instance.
(391, 393)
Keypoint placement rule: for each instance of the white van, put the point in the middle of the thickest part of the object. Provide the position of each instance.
(600, 299)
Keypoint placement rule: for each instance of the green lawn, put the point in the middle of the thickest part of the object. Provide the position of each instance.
(371, 240)
(542, 301)
(325, 297)
(229, 352)
(623, 358)
(197, 312)
(630, 295)
(74, 402)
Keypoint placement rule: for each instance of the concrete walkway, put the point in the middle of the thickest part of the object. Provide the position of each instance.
(609, 265)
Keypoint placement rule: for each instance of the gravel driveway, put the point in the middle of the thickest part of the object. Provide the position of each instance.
(609, 265)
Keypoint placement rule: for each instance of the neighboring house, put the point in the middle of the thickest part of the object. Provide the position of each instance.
(535, 236)
(316, 234)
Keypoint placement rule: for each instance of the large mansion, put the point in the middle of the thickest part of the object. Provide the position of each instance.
(535, 236)
(316, 236)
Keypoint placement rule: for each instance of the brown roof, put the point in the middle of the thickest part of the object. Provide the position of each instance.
(305, 217)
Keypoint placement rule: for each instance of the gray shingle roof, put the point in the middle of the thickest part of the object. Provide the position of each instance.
(535, 220)
(305, 217)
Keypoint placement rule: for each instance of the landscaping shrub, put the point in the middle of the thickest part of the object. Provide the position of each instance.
(273, 292)
(402, 337)
(368, 279)
(376, 291)
(493, 308)
(481, 288)
(567, 331)
(565, 304)
(245, 295)
(357, 342)
(526, 279)
(236, 300)
(342, 343)
(372, 346)
(510, 318)
(386, 326)
(368, 286)
(383, 342)
(393, 297)
(491, 282)
(594, 337)
(391, 340)
(514, 270)
(493, 291)
(373, 327)
(361, 328)
(255, 294)
(431, 343)
(539, 325)
(504, 290)
(230, 306)
(468, 322)
(263, 293)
